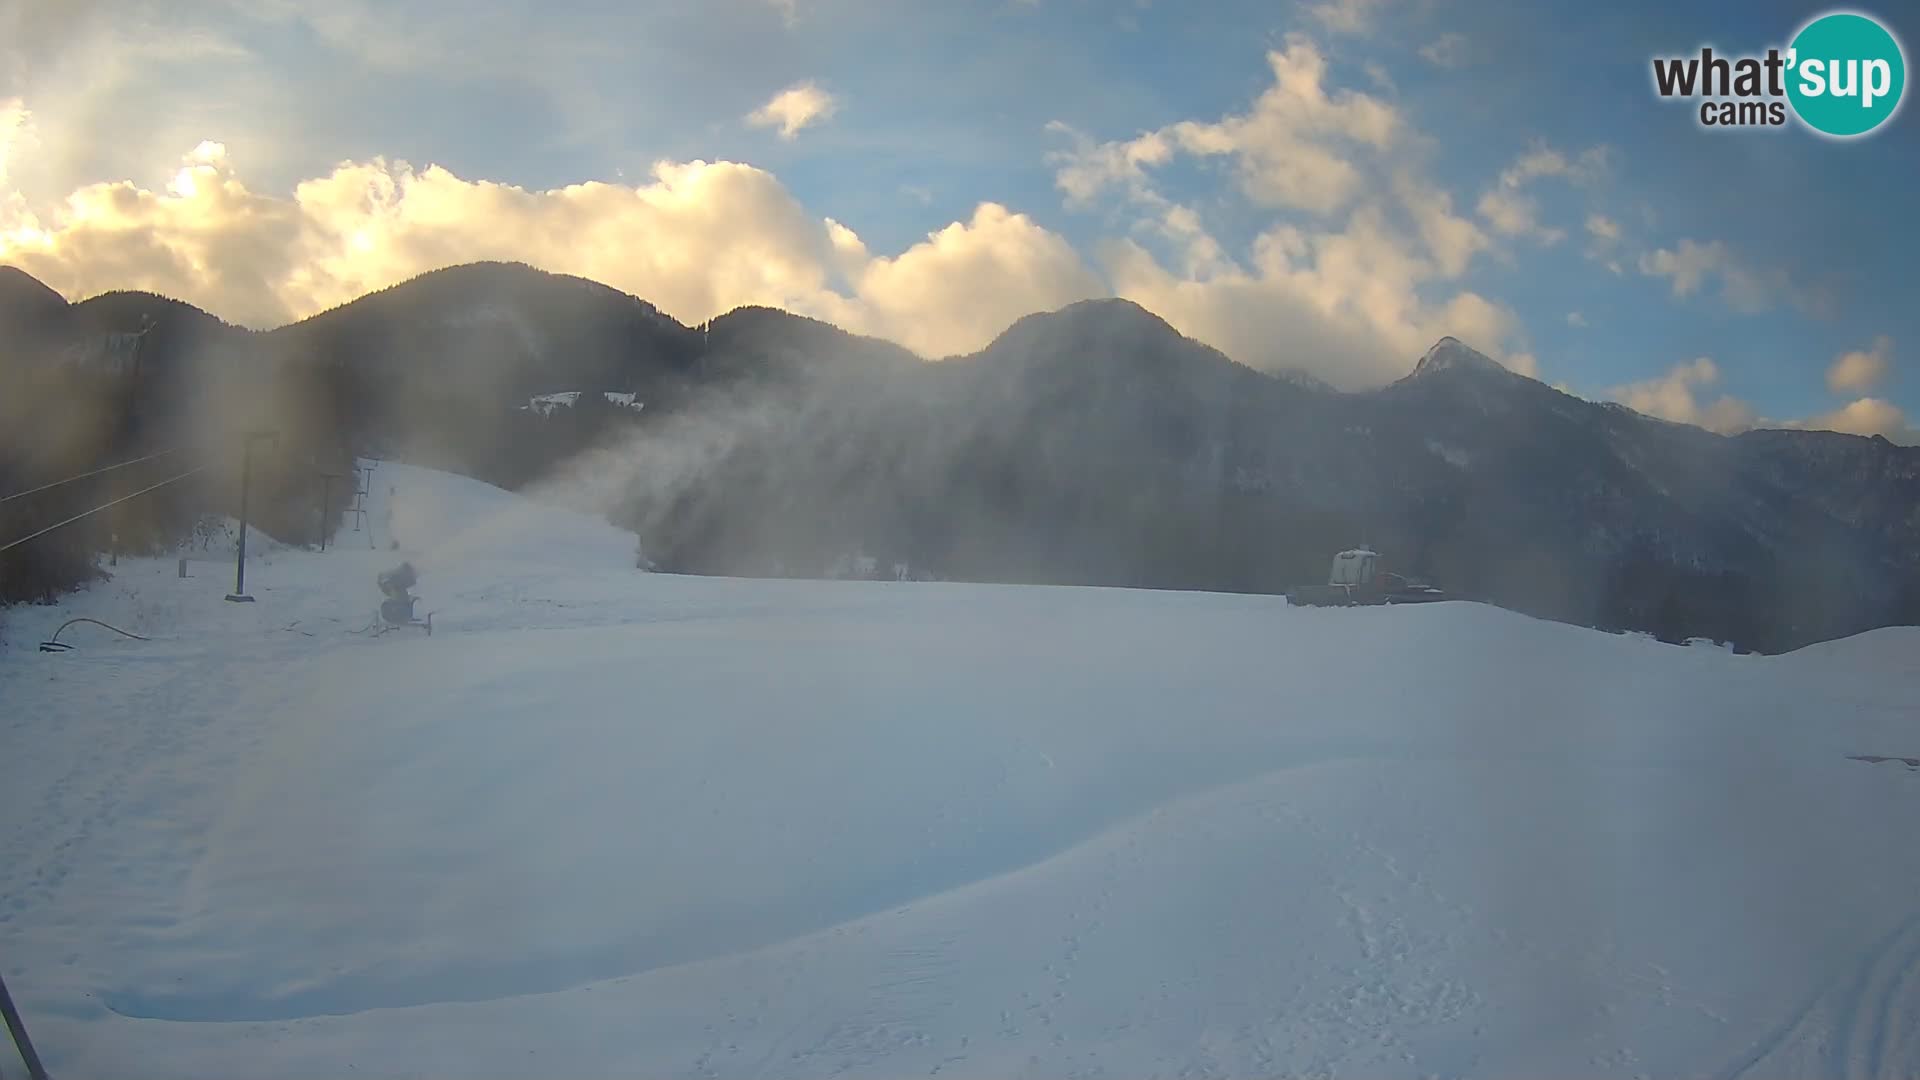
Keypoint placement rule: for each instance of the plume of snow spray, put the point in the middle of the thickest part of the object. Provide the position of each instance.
(649, 469)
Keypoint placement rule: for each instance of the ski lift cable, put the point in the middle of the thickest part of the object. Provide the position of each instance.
(85, 475)
(104, 506)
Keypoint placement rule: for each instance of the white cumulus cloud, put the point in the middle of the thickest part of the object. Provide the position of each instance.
(697, 239)
(1865, 416)
(1356, 271)
(1861, 369)
(1691, 265)
(1676, 396)
(1298, 147)
(958, 288)
(799, 106)
(1513, 212)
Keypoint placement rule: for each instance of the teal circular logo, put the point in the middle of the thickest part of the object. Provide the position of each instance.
(1845, 74)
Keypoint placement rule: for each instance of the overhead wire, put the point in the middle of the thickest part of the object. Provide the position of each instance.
(85, 475)
(104, 506)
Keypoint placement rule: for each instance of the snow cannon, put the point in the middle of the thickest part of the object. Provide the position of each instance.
(397, 609)
(397, 581)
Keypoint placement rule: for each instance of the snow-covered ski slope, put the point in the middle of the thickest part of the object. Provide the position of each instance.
(610, 823)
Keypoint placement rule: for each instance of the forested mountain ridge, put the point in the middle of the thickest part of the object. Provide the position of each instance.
(1092, 445)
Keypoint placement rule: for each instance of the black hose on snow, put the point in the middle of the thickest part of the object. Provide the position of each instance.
(54, 644)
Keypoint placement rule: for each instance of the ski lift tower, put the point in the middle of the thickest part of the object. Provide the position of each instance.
(239, 593)
(362, 487)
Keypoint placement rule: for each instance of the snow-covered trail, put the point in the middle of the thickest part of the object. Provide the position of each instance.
(612, 823)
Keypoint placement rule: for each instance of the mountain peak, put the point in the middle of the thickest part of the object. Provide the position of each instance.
(1085, 326)
(1452, 354)
(20, 290)
(1116, 306)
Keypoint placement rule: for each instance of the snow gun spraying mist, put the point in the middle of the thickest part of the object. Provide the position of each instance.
(397, 609)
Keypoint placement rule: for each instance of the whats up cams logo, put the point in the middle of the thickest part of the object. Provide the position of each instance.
(1842, 75)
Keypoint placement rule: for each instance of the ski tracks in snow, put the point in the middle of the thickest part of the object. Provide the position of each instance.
(1875, 1024)
(1863, 1025)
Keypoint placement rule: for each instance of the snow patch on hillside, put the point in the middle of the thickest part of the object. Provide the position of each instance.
(545, 404)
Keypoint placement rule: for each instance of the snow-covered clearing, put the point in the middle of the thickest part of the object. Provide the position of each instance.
(605, 822)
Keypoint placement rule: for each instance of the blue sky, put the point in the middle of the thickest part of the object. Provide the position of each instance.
(1624, 242)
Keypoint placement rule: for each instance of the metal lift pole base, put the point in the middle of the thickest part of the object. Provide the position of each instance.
(18, 1028)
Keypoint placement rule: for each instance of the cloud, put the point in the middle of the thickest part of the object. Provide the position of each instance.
(1345, 306)
(1691, 265)
(1577, 320)
(957, 289)
(697, 239)
(380, 35)
(1864, 416)
(1512, 212)
(794, 108)
(1089, 169)
(1678, 396)
(1673, 397)
(1449, 50)
(1294, 149)
(1452, 240)
(1355, 271)
(1603, 238)
(1861, 369)
(118, 88)
(1345, 16)
(205, 236)
(1588, 167)
(32, 34)
(15, 131)
(1356, 265)
(1688, 266)
(17, 142)
(1358, 298)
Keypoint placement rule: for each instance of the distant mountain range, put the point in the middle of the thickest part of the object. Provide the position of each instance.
(1091, 445)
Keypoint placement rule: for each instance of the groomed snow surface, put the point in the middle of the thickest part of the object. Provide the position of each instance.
(610, 823)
